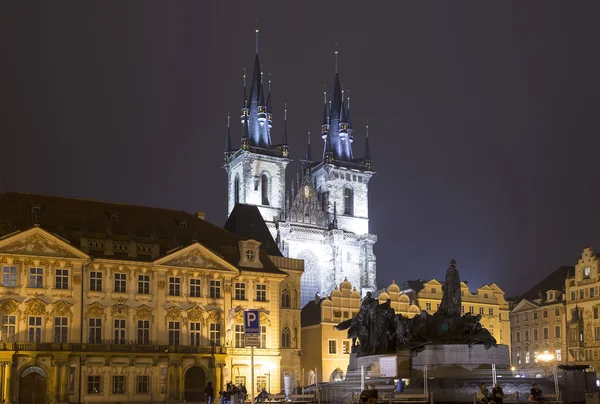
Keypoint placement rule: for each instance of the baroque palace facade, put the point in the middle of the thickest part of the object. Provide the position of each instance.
(108, 302)
(326, 351)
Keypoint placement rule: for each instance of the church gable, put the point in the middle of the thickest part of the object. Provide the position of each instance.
(305, 207)
(524, 305)
(38, 242)
(195, 256)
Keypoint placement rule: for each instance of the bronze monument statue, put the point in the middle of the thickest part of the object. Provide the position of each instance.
(379, 330)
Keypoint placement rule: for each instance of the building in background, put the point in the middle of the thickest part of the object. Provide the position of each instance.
(111, 302)
(488, 301)
(323, 217)
(325, 350)
(538, 326)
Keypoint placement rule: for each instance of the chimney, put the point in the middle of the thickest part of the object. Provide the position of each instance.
(201, 215)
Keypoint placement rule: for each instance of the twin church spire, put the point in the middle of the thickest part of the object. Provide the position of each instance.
(257, 122)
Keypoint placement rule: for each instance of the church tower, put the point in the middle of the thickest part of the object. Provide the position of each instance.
(256, 171)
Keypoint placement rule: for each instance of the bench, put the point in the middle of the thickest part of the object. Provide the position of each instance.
(511, 396)
(409, 398)
(302, 398)
(275, 398)
(551, 398)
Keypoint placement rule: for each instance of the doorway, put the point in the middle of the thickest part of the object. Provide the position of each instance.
(194, 384)
(33, 386)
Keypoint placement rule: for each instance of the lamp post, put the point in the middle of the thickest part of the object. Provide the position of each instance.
(547, 358)
(270, 368)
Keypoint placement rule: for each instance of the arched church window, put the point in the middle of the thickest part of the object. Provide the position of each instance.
(264, 182)
(286, 338)
(348, 201)
(285, 299)
(236, 189)
(324, 201)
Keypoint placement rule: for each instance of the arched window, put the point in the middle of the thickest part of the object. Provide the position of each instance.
(348, 201)
(236, 189)
(285, 338)
(285, 299)
(264, 182)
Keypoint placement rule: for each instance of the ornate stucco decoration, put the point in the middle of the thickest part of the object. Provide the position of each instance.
(119, 310)
(37, 245)
(195, 314)
(61, 309)
(162, 283)
(144, 313)
(76, 279)
(215, 315)
(238, 317)
(35, 307)
(173, 313)
(9, 306)
(264, 319)
(96, 310)
(194, 259)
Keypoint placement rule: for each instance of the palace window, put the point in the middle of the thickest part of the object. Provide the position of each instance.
(556, 312)
(214, 336)
(286, 338)
(96, 281)
(143, 332)
(595, 313)
(9, 276)
(195, 290)
(265, 189)
(239, 340)
(144, 284)
(535, 356)
(526, 316)
(572, 295)
(35, 329)
(174, 332)
(558, 355)
(491, 311)
(286, 301)
(195, 333)
(118, 385)
(557, 331)
(94, 386)
(60, 329)
(240, 291)
(518, 336)
(263, 336)
(586, 273)
(9, 324)
(535, 315)
(95, 330)
(62, 279)
(261, 292)
(581, 294)
(143, 384)
(527, 359)
(535, 334)
(471, 309)
(119, 331)
(174, 286)
(345, 347)
(215, 289)
(261, 383)
(348, 201)
(591, 292)
(120, 283)
(545, 333)
(597, 333)
(36, 278)
(518, 358)
(526, 335)
(332, 346)
(481, 311)
(545, 314)
(433, 291)
(428, 306)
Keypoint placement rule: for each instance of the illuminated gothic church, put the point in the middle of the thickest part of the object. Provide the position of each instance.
(323, 217)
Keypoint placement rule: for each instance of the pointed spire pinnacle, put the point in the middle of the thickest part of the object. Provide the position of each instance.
(257, 34)
(228, 137)
(348, 117)
(284, 142)
(336, 61)
(245, 91)
(269, 109)
(309, 154)
(325, 106)
(367, 149)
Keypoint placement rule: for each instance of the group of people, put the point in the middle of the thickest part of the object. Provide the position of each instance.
(231, 393)
(485, 397)
(369, 396)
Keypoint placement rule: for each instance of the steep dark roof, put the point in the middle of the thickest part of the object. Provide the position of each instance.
(554, 281)
(73, 219)
(246, 221)
(416, 285)
(311, 313)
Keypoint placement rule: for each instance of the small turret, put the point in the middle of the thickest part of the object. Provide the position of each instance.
(244, 115)
(343, 125)
(245, 133)
(269, 109)
(367, 159)
(262, 105)
(308, 153)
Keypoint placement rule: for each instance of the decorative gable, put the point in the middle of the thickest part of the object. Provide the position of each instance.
(250, 254)
(195, 256)
(37, 241)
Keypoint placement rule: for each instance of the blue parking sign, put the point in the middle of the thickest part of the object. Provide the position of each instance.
(251, 322)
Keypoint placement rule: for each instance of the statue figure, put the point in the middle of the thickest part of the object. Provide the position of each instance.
(451, 301)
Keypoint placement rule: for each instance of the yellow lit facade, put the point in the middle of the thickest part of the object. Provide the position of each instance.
(325, 350)
(105, 315)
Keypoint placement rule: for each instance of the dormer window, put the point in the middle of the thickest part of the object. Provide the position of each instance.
(250, 254)
(182, 224)
(114, 216)
(36, 209)
(586, 273)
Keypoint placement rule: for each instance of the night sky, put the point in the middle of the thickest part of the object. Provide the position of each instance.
(483, 116)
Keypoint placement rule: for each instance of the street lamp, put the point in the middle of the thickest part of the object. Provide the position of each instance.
(270, 368)
(547, 358)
